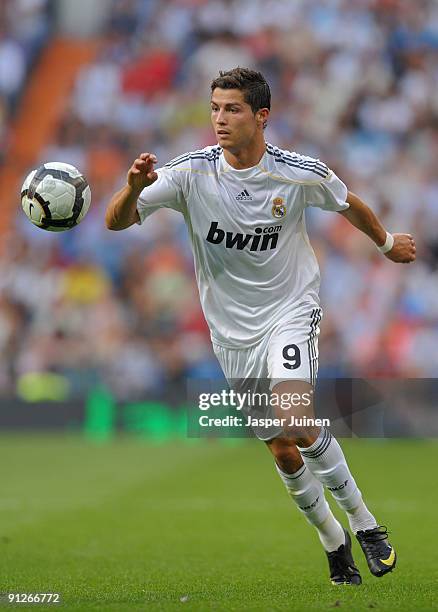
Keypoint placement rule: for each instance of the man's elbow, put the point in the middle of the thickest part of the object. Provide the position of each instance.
(352, 201)
(110, 223)
(116, 225)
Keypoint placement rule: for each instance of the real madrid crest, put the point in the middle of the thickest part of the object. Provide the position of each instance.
(278, 208)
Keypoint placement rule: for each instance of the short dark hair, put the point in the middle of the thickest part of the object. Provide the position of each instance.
(253, 85)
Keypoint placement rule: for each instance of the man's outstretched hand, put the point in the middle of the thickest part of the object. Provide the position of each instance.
(141, 174)
(403, 250)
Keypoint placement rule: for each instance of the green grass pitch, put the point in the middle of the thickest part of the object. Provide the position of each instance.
(132, 525)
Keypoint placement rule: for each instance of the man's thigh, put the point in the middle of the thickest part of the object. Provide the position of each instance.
(293, 350)
(246, 372)
(243, 363)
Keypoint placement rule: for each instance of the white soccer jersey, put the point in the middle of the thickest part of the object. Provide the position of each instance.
(254, 264)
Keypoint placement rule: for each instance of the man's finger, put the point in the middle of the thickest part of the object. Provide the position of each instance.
(148, 156)
(143, 166)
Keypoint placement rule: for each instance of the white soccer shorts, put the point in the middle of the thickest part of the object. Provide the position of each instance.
(288, 352)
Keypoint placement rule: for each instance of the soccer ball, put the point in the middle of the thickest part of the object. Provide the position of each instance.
(55, 196)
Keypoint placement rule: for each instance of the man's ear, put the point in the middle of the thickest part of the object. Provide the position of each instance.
(262, 118)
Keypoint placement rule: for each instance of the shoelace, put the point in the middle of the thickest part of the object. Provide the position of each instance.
(373, 541)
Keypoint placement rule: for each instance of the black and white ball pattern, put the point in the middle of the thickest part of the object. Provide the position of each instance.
(55, 196)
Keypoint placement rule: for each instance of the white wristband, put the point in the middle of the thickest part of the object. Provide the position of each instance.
(389, 243)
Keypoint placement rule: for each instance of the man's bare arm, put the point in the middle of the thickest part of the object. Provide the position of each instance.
(122, 209)
(361, 216)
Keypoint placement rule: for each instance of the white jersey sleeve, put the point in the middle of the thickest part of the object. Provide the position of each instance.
(329, 194)
(166, 192)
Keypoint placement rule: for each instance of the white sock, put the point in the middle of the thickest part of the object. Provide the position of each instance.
(326, 461)
(308, 494)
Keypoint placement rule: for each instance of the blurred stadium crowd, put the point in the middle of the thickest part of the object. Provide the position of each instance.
(354, 83)
(24, 27)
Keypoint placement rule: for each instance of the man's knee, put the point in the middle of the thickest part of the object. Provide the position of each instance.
(294, 399)
(287, 456)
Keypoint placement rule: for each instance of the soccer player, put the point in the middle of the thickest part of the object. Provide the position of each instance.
(244, 202)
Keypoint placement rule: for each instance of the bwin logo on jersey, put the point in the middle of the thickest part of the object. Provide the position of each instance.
(256, 242)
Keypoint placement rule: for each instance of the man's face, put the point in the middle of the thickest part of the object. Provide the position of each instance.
(234, 123)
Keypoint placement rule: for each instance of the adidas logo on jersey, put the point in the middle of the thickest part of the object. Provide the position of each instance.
(244, 196)
(256, 242)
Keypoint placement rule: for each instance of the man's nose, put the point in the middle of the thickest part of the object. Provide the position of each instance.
(220, 118)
